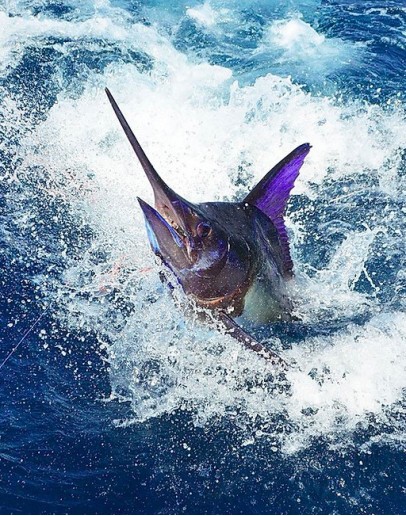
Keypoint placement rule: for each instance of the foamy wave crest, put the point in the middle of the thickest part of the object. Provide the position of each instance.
(309, 54)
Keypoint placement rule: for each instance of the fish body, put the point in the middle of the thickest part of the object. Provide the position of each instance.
(250, 282)
(230, 257)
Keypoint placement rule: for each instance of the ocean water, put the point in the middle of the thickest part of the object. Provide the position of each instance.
(115, 401)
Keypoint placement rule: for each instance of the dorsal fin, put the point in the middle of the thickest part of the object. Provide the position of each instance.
(271, 194)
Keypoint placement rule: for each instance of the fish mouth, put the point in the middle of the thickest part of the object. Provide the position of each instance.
(159, 222)
(174, 242)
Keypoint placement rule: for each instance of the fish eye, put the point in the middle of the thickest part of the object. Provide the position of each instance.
(203, 229)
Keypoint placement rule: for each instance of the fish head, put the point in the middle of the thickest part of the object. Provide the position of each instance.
(209, 262)
(186, 240)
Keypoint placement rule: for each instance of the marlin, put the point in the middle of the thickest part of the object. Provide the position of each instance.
(230, 257)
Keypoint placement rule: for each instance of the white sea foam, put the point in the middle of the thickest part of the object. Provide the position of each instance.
(299, 40)
(198, 126)
(204, 14)
(291, 43)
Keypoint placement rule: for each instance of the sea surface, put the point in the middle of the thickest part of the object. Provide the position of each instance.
(114, 401)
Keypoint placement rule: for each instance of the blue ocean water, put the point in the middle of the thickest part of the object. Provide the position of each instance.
(116, 402)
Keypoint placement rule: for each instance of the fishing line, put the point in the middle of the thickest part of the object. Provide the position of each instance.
(30, 329)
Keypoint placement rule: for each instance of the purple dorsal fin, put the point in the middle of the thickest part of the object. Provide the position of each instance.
(271, 194)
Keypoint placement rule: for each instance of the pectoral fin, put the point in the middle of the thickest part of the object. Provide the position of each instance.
(249, 342)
